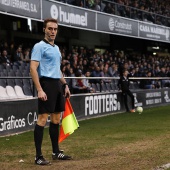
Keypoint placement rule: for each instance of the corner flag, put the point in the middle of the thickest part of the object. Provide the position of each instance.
(69, 122)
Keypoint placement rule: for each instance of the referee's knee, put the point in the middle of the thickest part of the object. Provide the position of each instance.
(56, 121)
(42, 121)
(55, 118)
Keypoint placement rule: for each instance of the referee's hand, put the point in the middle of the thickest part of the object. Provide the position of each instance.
(67, 92)
(42, 96)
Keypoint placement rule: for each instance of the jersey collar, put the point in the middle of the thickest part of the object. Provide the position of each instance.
(48, 42)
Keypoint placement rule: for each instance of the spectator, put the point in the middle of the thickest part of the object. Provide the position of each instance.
(148, 83)
(109, 9)
(87, 84)
(162, 73)
(18, 56)
(104, 73)
(113, 70)
(5, 58)
(67, 69)
(26, 55)
(12, 50)
(90, 4)
(97, 6)
(78, 85)
(96, 73)
(157, 71)
(63, 70)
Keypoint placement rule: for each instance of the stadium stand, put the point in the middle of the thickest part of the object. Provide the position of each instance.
(156, 11)
(110, 66)
(110, 63)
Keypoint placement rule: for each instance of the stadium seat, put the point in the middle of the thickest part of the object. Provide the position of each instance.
(11, 92)
(10, 82)
(3, 74)
(94, 87)
(11, 74)
(8, 68)
(108, 86)
(18, 82)
(16, 64)
(15, 68)
(21, 68)
(3, 93)
(103, 87)
(2, 66)
(131, 85)
(25, 73)
(26, 82)
(98, 87)
(18, 74)
(19, 92)
(27, 67)
(1, 69)
(112, 85)
(27, 91)
(136, 85)
(3, 82)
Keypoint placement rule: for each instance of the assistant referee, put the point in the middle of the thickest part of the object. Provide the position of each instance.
(51, 88)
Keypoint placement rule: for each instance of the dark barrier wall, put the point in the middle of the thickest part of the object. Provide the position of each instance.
(104, 103)
(19, 116)
(97, 104)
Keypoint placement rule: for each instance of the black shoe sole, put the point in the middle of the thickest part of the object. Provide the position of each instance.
(44, 164)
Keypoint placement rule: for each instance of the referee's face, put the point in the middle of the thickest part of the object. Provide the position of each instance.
(51, 31)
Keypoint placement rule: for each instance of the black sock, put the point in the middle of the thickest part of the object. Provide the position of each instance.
(38, 137)
(54, 133)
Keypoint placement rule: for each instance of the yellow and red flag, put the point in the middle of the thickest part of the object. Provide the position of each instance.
(69, 122)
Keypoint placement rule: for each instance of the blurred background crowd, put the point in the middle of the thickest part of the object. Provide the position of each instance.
(83, 62)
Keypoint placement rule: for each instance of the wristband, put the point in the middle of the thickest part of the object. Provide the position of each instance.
(65, 84)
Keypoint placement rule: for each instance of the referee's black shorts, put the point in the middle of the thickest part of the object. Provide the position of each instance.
(55, 99)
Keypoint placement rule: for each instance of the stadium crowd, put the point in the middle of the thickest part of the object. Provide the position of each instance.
(84, 62)
(155, 11)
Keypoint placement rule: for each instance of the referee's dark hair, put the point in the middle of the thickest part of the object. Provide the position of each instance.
(49, 20)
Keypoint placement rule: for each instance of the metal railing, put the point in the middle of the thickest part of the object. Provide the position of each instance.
(93, 78)
(117, 78)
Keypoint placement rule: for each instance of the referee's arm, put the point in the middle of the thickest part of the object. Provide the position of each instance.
(65, 85)
(34, 74)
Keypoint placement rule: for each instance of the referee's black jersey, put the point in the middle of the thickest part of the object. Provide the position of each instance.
(123, 84)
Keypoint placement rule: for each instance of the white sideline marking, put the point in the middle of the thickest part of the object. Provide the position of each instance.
(163, 167)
